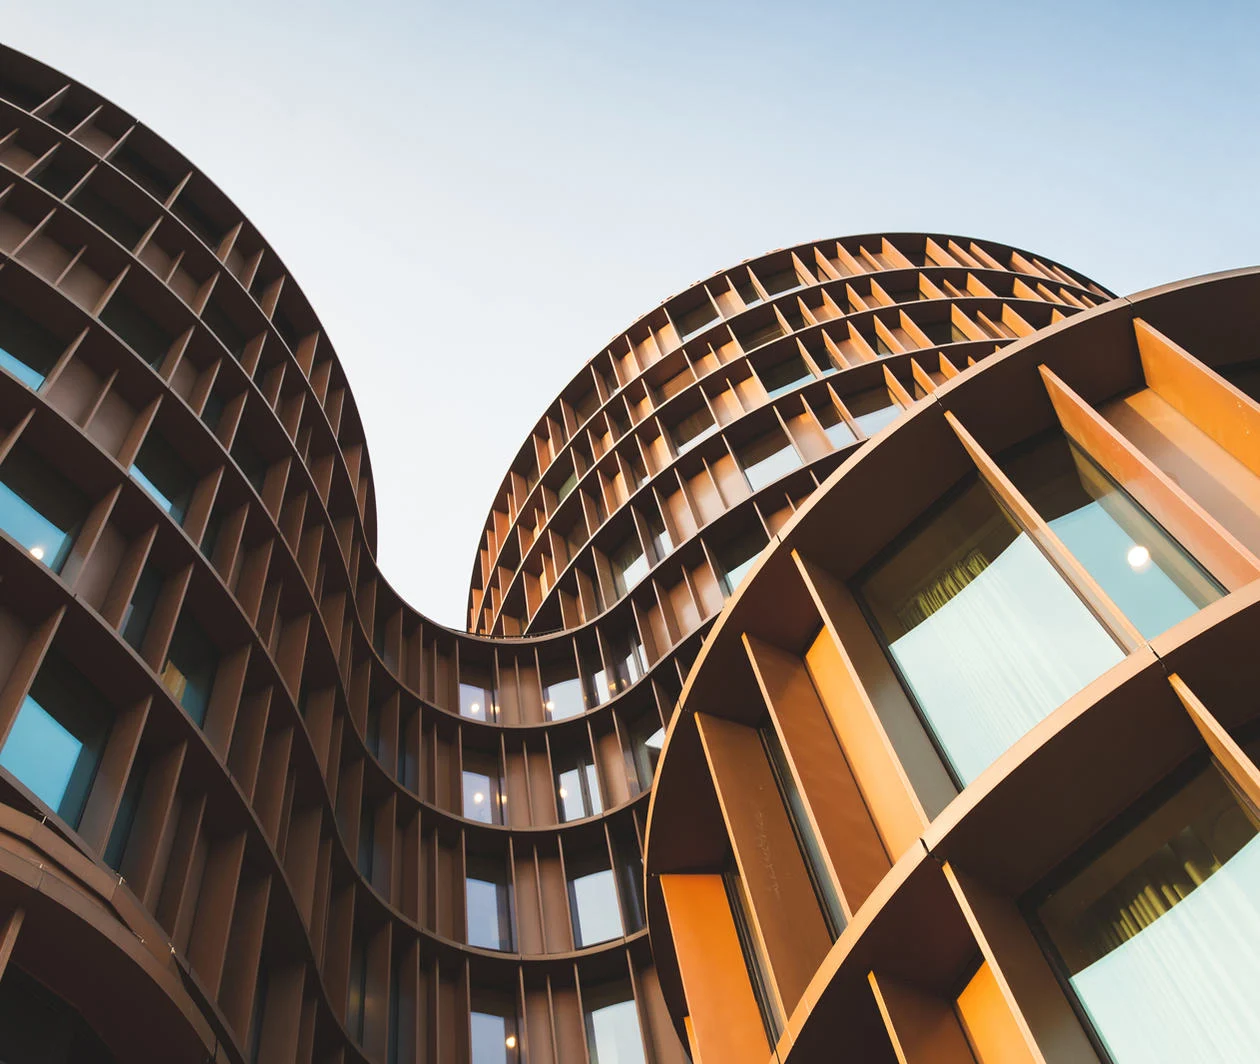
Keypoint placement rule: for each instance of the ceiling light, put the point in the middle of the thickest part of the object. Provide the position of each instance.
(1138, 557)
(510, 1041)
(563, 793)
(479, 797)
(37, 553)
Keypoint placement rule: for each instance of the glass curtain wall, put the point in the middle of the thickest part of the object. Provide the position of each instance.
(987, 635)
(1143, 570)
(1158, 933)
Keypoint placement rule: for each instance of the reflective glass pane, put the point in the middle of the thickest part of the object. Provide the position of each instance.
(483, 791)
(1160, 933)
(987, 635)
(488, 904)
(872, 409)
(835, 427)
(596, 915)
(612, 1032)
(629, 564)
(577, 791)
(27, 350)
(1141, 567)
(693, 428)
(164, 476)
(38, 507)
(768, 458)
(784, 376)
(56, 740)
(564, 698)
(476, 699)
(494, 1037)
(191, 664)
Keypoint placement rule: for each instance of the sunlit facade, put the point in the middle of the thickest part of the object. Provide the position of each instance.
(256, 808)
(967, 769)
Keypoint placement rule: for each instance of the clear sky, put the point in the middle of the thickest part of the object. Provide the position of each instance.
(476, 196)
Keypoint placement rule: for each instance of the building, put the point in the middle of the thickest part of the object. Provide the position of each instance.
(967, 769)
(256, 808)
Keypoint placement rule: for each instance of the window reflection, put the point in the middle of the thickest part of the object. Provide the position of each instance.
(27, 350)
(493, 1028)
(768, 458)
(577, 788)
(871, 410)
(737, 557)
(1143, 570)
(484, 799)
(835, 427)
(476, 696)
(55, 743)
(629, 564)
(784, 375)
(987, 635)
(164, 476)
(562, 691)
(488, 903)
(39, 508)
(191, 664)
(1159, 933)
(593, 899)
(612, 1025)
(647, 737)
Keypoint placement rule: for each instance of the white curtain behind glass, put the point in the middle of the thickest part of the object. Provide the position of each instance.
(1184, 989)
(1011, 646)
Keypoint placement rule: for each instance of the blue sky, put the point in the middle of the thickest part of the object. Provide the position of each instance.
(477, 196)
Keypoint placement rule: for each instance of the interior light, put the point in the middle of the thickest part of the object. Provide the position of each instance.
(479, 797)
(510, 1041)
(1139, 557)
(563, 793)
(475, 707)
(550, 705)
(503, 799)
(37, 553)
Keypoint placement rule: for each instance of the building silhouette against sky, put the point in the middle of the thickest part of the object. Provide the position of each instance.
(256, 808)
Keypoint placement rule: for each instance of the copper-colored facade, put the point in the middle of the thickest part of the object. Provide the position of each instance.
(845, 851)
(254, 806)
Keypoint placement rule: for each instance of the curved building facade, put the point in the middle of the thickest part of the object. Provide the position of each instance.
(966, 771)
(253, 806)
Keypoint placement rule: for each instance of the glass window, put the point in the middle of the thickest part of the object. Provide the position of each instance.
(1159, 934)
(593, 899)
(768, 458)
(577, 788)
(493, 1028)
(124, 820)
(647, 737)
(690, 321)
(872, 409)
(612, 1025)
(191, 664)
(27, 350)
(987, 635)
(629, 881)
(57, 738)
(835, 427)
(784, 375)
(754, 961)
(566, 487)
(488, 899)
(737, 557)
(806, 838)
(747, 291)
(160, 471)
(626, 654)
(693, 428)
(629, 564)
(477, 696)
(562, 691)
(483, 788)
(658, 535)
(356, 992)
(1144, 571)
(38, 507)
(135, 624)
